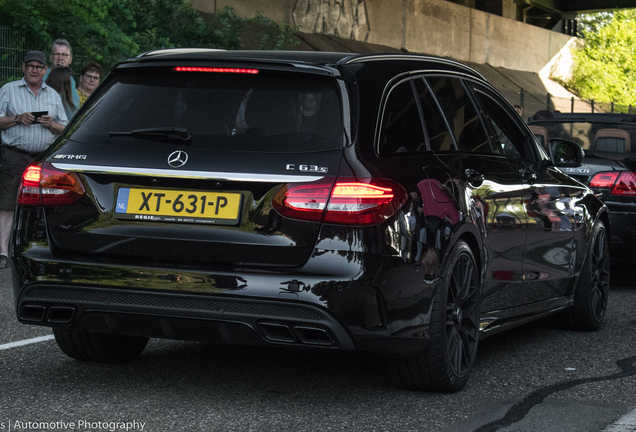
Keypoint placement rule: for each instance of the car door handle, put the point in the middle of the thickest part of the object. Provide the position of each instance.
(474, 178)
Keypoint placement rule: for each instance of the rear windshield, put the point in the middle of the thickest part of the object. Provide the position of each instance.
(269, 111)
(594, 137)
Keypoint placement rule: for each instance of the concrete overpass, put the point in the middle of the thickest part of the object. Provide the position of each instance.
(514, 43)
(515, 34)
(578, 6)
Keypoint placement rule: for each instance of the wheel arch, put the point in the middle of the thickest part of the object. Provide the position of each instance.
(596, 210)
(603, 216)
(474, 245)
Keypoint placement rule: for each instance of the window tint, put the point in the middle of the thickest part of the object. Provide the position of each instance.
(439, 136)
(507, 136)
(401, 124)
(461, 113)
(271, 111)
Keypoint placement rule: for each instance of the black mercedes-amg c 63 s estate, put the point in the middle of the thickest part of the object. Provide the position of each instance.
(389, 203)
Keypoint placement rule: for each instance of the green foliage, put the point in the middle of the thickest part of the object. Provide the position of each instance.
(605, 65)
(112, 30)
(225, 30)
(181, 26)
(93, 27)
(274, 36)
(591, 23)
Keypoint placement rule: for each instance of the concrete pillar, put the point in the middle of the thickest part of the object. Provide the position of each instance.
(509, 9)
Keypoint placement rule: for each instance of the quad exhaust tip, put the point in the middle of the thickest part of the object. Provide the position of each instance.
(33, 313)
(296, 334)
(60, 314)
(57, 314)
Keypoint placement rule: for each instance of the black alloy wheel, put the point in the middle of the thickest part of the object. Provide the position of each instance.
(449, 357)
(592, 291)
(462, 316)
(600, 276)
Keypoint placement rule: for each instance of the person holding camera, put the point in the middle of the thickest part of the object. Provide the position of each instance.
(31, 116)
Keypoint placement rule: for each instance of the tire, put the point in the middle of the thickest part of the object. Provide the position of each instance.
(592, 290)
(99, 347)
(446, 363)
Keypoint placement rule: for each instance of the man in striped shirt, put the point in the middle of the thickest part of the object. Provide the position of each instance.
(31, 117)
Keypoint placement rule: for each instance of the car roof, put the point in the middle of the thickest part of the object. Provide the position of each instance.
(313, 58)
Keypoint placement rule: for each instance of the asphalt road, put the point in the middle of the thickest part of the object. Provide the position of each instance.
(529, 379)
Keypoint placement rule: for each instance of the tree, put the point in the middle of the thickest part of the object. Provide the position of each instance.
(593, 22)
(605, 64)
(93, 27)
(112, 30)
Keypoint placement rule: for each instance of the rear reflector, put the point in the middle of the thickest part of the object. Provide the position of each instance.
(621, 182)
(215, 69)
(345, 201)
(43, 185)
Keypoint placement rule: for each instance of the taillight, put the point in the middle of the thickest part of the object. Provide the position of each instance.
(346, 201)
(621, 182)
(604, 180)
(43, 185)
(626, 184)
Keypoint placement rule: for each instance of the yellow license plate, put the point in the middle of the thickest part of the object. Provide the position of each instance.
(178, 206)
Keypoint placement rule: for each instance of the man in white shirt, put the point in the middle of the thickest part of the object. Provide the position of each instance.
(31, 117)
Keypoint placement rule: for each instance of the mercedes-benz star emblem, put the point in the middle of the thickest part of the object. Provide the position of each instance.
(177, 159)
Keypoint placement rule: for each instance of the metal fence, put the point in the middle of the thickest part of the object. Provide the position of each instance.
(533, 102)
(13, 45)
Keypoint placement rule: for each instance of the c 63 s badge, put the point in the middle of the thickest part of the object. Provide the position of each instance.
(307, 168)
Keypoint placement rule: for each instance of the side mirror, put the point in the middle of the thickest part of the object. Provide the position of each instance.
(565, 153)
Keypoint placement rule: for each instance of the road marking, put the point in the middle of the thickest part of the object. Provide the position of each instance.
(26, 342)
(627, 423)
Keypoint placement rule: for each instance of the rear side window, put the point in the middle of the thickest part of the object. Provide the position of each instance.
(461, 113)
(401, 124)
(439, 136)
(507, 137)
(268, 111)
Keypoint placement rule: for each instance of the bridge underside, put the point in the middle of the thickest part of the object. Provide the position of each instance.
(557, 15)
(578, 6)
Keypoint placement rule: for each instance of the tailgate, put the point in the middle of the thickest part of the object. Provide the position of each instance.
(182, 167)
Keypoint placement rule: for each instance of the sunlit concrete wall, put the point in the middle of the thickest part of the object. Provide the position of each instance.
(424, 26)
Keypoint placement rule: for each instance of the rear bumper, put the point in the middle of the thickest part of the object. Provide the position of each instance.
(181, 316)
(340, 299)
